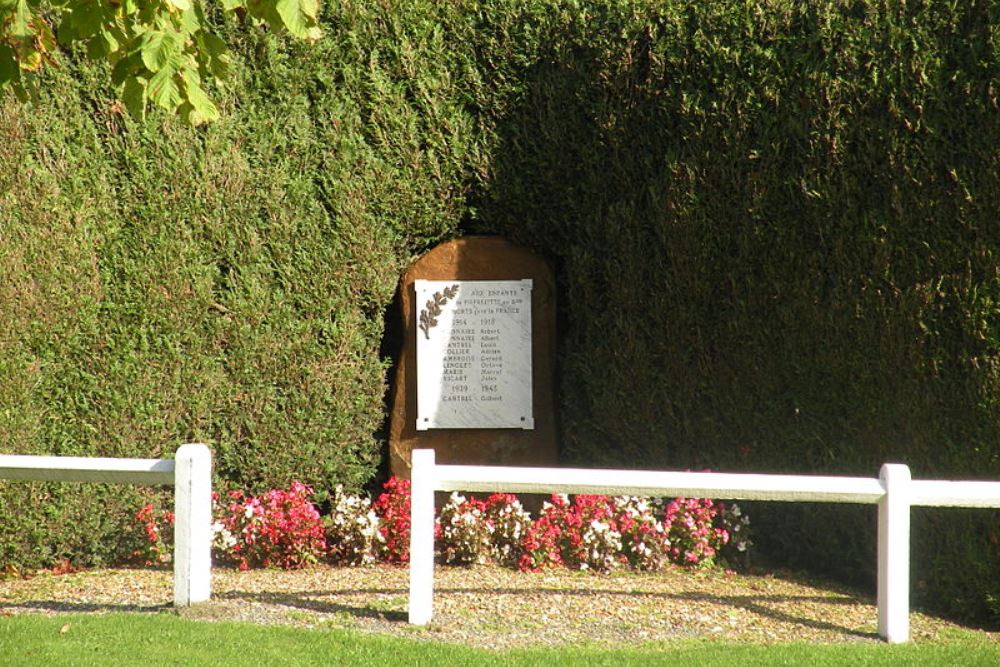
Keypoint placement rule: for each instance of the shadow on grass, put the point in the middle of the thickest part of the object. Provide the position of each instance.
(61, 607)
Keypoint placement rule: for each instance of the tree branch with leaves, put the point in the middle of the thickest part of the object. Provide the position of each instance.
(162, 52)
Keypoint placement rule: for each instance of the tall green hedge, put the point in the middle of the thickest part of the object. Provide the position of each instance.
(774, 225)
(777, 230)
(161, 285)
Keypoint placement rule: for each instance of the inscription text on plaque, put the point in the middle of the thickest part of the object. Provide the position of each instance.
(473, 354)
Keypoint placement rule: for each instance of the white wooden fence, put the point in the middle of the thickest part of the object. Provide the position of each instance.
(894, 493)
(190, 472)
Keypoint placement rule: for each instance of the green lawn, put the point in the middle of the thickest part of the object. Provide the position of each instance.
(165, 639)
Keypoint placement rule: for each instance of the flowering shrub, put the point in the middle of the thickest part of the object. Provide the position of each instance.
(281, 528)
(510, 524)
(644, 539)
(737, 525)
(541, 544)
(693, 537)
(463, 531)
(157, 526)
(593, 532)
(352, 530)
(582, 534)
(469, 530)
(223, 541)
(393, 511)
(591, 540)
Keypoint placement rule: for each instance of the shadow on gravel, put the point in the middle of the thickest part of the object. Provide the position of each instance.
(323, 602)
(312, 601)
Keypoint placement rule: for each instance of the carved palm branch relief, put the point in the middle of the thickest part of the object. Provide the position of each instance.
(429, 315)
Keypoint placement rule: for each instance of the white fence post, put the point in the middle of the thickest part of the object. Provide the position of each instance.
(894, 554)
(422, 483)
(192, 525)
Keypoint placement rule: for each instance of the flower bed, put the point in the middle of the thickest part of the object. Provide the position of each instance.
(283, 528)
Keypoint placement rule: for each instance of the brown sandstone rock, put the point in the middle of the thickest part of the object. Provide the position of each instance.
(478, 258)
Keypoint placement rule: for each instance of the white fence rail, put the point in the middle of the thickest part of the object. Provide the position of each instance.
(894, 493)
(190, 472)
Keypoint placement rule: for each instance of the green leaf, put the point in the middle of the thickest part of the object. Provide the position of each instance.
(182, 5)
(190, 76)
(23, 95)
(230, 5)
(214, 44)
(109, 38)
(163, 89)
(125, 68)
(220, 66)
(19, 26)
(191, 22)
(102, 45)
(134, 97)
(216, 54)
(159, 48)
(299, 16)
(97, 48)
(202, 110)
(8, 67)
(81, 23)
(67, 30)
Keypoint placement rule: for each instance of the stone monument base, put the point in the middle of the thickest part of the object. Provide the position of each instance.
(478, 258)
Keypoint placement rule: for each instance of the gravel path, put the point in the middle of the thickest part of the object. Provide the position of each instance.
(492, 607)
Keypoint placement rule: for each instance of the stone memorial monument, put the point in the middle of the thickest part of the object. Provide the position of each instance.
(475, 378)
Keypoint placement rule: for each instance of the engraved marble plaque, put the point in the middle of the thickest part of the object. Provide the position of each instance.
(473, 354)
